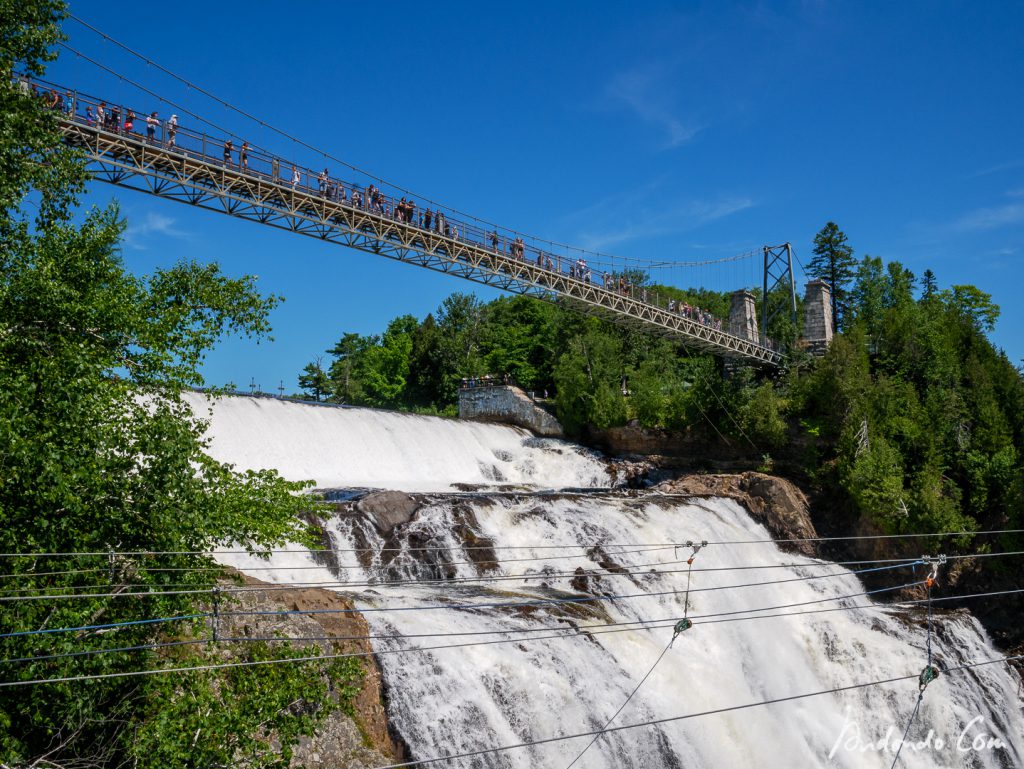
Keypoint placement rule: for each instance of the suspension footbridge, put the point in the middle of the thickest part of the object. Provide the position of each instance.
(188, 166)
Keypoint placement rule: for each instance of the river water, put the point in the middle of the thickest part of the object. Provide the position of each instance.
(554, 596)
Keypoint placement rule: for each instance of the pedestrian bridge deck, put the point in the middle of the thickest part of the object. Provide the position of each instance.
(193, 171)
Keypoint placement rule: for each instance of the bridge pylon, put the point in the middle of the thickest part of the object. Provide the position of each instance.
(778, 273)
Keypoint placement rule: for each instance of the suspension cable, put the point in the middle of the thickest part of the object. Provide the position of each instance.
(323, 153)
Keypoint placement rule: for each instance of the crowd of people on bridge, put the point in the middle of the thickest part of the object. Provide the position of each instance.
(113, 119)
(690, 312)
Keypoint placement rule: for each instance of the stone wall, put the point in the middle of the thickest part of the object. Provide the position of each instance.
(508, 405)
(743, 316)
(817, 317)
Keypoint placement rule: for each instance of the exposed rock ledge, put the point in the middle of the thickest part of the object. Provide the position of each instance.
(508, 405)
(775, 502)
(340, 742)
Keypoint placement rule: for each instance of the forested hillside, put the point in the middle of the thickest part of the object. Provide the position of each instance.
(912, 421)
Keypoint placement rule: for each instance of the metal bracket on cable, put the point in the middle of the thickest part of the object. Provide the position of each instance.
(694, 546)
(930, 672)
(686, 623)
(935, 562)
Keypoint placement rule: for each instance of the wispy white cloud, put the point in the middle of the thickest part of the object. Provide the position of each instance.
(646, 92)
(641, 214)
(998, 168)
(990, 218)
(141, 230)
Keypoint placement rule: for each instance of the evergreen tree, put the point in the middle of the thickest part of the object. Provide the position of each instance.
(928, 286)
(833, 262)
(314, 380)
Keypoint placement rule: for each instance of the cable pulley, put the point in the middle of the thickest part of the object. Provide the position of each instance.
(929, 674)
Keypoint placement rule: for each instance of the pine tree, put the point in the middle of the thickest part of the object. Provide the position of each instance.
(314, 380)
(833, 262)
(928, 285)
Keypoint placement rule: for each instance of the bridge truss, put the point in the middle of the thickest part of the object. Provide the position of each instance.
(172, 172)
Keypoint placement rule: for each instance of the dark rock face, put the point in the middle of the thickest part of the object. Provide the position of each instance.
(775, 502)
(388, 509)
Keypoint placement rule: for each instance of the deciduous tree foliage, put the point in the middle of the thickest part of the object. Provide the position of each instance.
(98, 454)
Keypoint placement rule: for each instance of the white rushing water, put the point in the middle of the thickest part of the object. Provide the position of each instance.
(506, 681)
(354, 447)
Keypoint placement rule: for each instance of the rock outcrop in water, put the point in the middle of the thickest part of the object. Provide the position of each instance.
(775, 502)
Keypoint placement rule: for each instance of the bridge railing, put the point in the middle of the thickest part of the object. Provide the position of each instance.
(598, 270)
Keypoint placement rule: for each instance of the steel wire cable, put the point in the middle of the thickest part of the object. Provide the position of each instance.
(432, 607)
(643, 570)
(323, 153)
(644, 547)
(715, 711)
(445, 582)
(526, 634)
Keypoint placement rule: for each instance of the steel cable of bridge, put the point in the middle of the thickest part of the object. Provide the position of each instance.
(326, 155)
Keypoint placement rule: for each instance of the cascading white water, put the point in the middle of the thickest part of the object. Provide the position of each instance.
(354, 447)
(508, 683)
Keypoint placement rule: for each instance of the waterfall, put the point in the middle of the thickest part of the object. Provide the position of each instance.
(497, 574)
(356, 447)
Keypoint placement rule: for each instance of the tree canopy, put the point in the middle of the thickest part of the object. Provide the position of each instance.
(100, 454)
(833, 262)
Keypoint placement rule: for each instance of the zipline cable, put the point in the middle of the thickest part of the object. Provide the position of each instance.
(645, 547)
(567, 632)
(444, 582)
(643, 570)
(436, 607)
(670, 719)
(681, 626)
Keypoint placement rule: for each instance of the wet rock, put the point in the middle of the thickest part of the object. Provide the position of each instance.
(632, 473)
(388, 509)
(775, 502)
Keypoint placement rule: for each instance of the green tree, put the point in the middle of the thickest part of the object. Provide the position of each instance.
(833, 262)
(929, 286)
(314, 380)
(345, 369)
(100, 453)
(385, 369)
(975, 304)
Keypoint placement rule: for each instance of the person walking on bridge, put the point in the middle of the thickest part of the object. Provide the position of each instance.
(172, 130)
(228, 147)
(296, 176)
(151, 123)
(243, 157)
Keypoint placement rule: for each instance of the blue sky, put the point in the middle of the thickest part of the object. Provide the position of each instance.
(661, 131)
